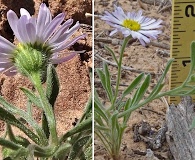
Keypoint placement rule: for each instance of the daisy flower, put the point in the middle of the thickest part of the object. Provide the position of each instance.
(134, 24)
(40, 39)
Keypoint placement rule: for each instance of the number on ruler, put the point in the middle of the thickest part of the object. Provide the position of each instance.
(191, 7)
(185, 61)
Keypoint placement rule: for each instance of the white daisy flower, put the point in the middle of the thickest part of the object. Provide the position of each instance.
(134, 24)
(40, 40)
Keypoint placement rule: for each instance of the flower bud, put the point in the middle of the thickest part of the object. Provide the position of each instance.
(29, 60)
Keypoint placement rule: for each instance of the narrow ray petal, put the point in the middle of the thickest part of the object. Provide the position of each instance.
(53, 25)
(64, 59)
(68, 44)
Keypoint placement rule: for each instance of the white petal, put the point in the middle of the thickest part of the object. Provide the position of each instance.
(25, 12)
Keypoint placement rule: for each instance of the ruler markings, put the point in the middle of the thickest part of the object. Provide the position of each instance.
(175, 51)
(183, 2)
(177, 45)
(175, 71)
(176, 82)
(178, 31)
(186, 58)
(175, 67)
(178, 17)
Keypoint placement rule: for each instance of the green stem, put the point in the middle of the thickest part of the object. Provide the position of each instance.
(125, 42)
(47, 108)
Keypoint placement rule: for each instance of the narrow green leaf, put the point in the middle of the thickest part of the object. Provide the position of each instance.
(32, 97)
(88, 110)
(52, 90)
(127, 106)
(100, 111)
(16, 139)
(112, 53)
(193, 55)
(108, 83)
(83, 126)
(9, 144)
(133, 85)
(78, 147)
(159, 85)
(96, 99)
(97, 127)
(114, 126)
(63, 151)
(98, 119)
(104, 83)
(52, 84)
(120, 106)
(10, 118)
(141, 91)
(11, 109)
(102, 77)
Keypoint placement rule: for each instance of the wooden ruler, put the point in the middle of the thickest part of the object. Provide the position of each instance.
(183, 33)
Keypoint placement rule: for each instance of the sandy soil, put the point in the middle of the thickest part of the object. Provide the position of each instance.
(74, 77)
(140, 58)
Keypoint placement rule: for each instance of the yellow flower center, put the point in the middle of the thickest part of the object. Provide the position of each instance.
(131, 24)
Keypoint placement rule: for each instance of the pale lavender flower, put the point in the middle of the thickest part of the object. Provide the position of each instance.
(134, 24)
(42, 33)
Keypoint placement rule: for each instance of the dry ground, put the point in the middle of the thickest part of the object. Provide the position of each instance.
(139, 58)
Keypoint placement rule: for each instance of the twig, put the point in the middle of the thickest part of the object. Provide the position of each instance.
(165, 8)
(113, 40)
(150, 110)
(152, 2)
(162, 53)
(141, 153)
(125, 67)
(112, 82)
(86, 26)
(165, 46)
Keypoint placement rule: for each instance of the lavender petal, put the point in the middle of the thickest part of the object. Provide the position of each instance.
(64, 59)
(13, 21)
(60, 31)
(11, 71)
(42, 17)
(68, 44)
(64, 37)
(31, 31)
(6, 46)
(53, 25)
(22, 29)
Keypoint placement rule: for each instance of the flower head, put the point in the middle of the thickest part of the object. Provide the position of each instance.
(42, 35)
(133, 24)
